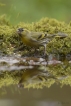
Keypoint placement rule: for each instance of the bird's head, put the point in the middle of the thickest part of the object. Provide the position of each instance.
(20, 85)
(22, 31)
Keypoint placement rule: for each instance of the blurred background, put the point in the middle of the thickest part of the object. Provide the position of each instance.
(33, 10)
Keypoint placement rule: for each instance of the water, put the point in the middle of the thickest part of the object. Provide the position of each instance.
(53, 96)
(33, 81)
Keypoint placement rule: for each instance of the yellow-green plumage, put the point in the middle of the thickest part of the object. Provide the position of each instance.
(29, 41)
(33, 39)
(36, 39)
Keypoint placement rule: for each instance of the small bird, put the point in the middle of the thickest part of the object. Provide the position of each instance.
(33, 39)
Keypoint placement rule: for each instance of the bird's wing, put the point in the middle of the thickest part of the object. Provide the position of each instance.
(61, 35)
(45, 41)
(37, 35)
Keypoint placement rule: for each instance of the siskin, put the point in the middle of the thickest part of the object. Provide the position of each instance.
(33, 39)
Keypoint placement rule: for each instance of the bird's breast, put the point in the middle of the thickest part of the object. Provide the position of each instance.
(30, 42)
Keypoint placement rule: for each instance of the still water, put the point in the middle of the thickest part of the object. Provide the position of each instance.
(35, 81)
(53, 96)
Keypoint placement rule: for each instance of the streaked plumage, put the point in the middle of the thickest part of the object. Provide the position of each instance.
(33, 39)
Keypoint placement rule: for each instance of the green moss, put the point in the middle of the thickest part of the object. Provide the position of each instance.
(56, 44)
(9, 38)
(4, 20)
(10, 43)
(35, 78)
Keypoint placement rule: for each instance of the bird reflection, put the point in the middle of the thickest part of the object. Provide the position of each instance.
(34, 75)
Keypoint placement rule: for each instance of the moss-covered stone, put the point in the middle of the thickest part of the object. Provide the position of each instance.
(9, 39)
(10, 43)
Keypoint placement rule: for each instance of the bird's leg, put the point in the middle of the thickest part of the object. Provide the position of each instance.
(36, 51)
(45, 50)
(45, 54)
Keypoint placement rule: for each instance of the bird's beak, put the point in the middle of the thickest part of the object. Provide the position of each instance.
(20, 85)
(18, 31)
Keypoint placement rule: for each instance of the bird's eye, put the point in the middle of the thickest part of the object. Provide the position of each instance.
(20, 29)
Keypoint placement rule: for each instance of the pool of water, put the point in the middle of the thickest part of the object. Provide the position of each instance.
(33, 81)
(53, 96)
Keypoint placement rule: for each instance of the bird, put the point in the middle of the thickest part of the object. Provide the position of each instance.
(33, 39)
